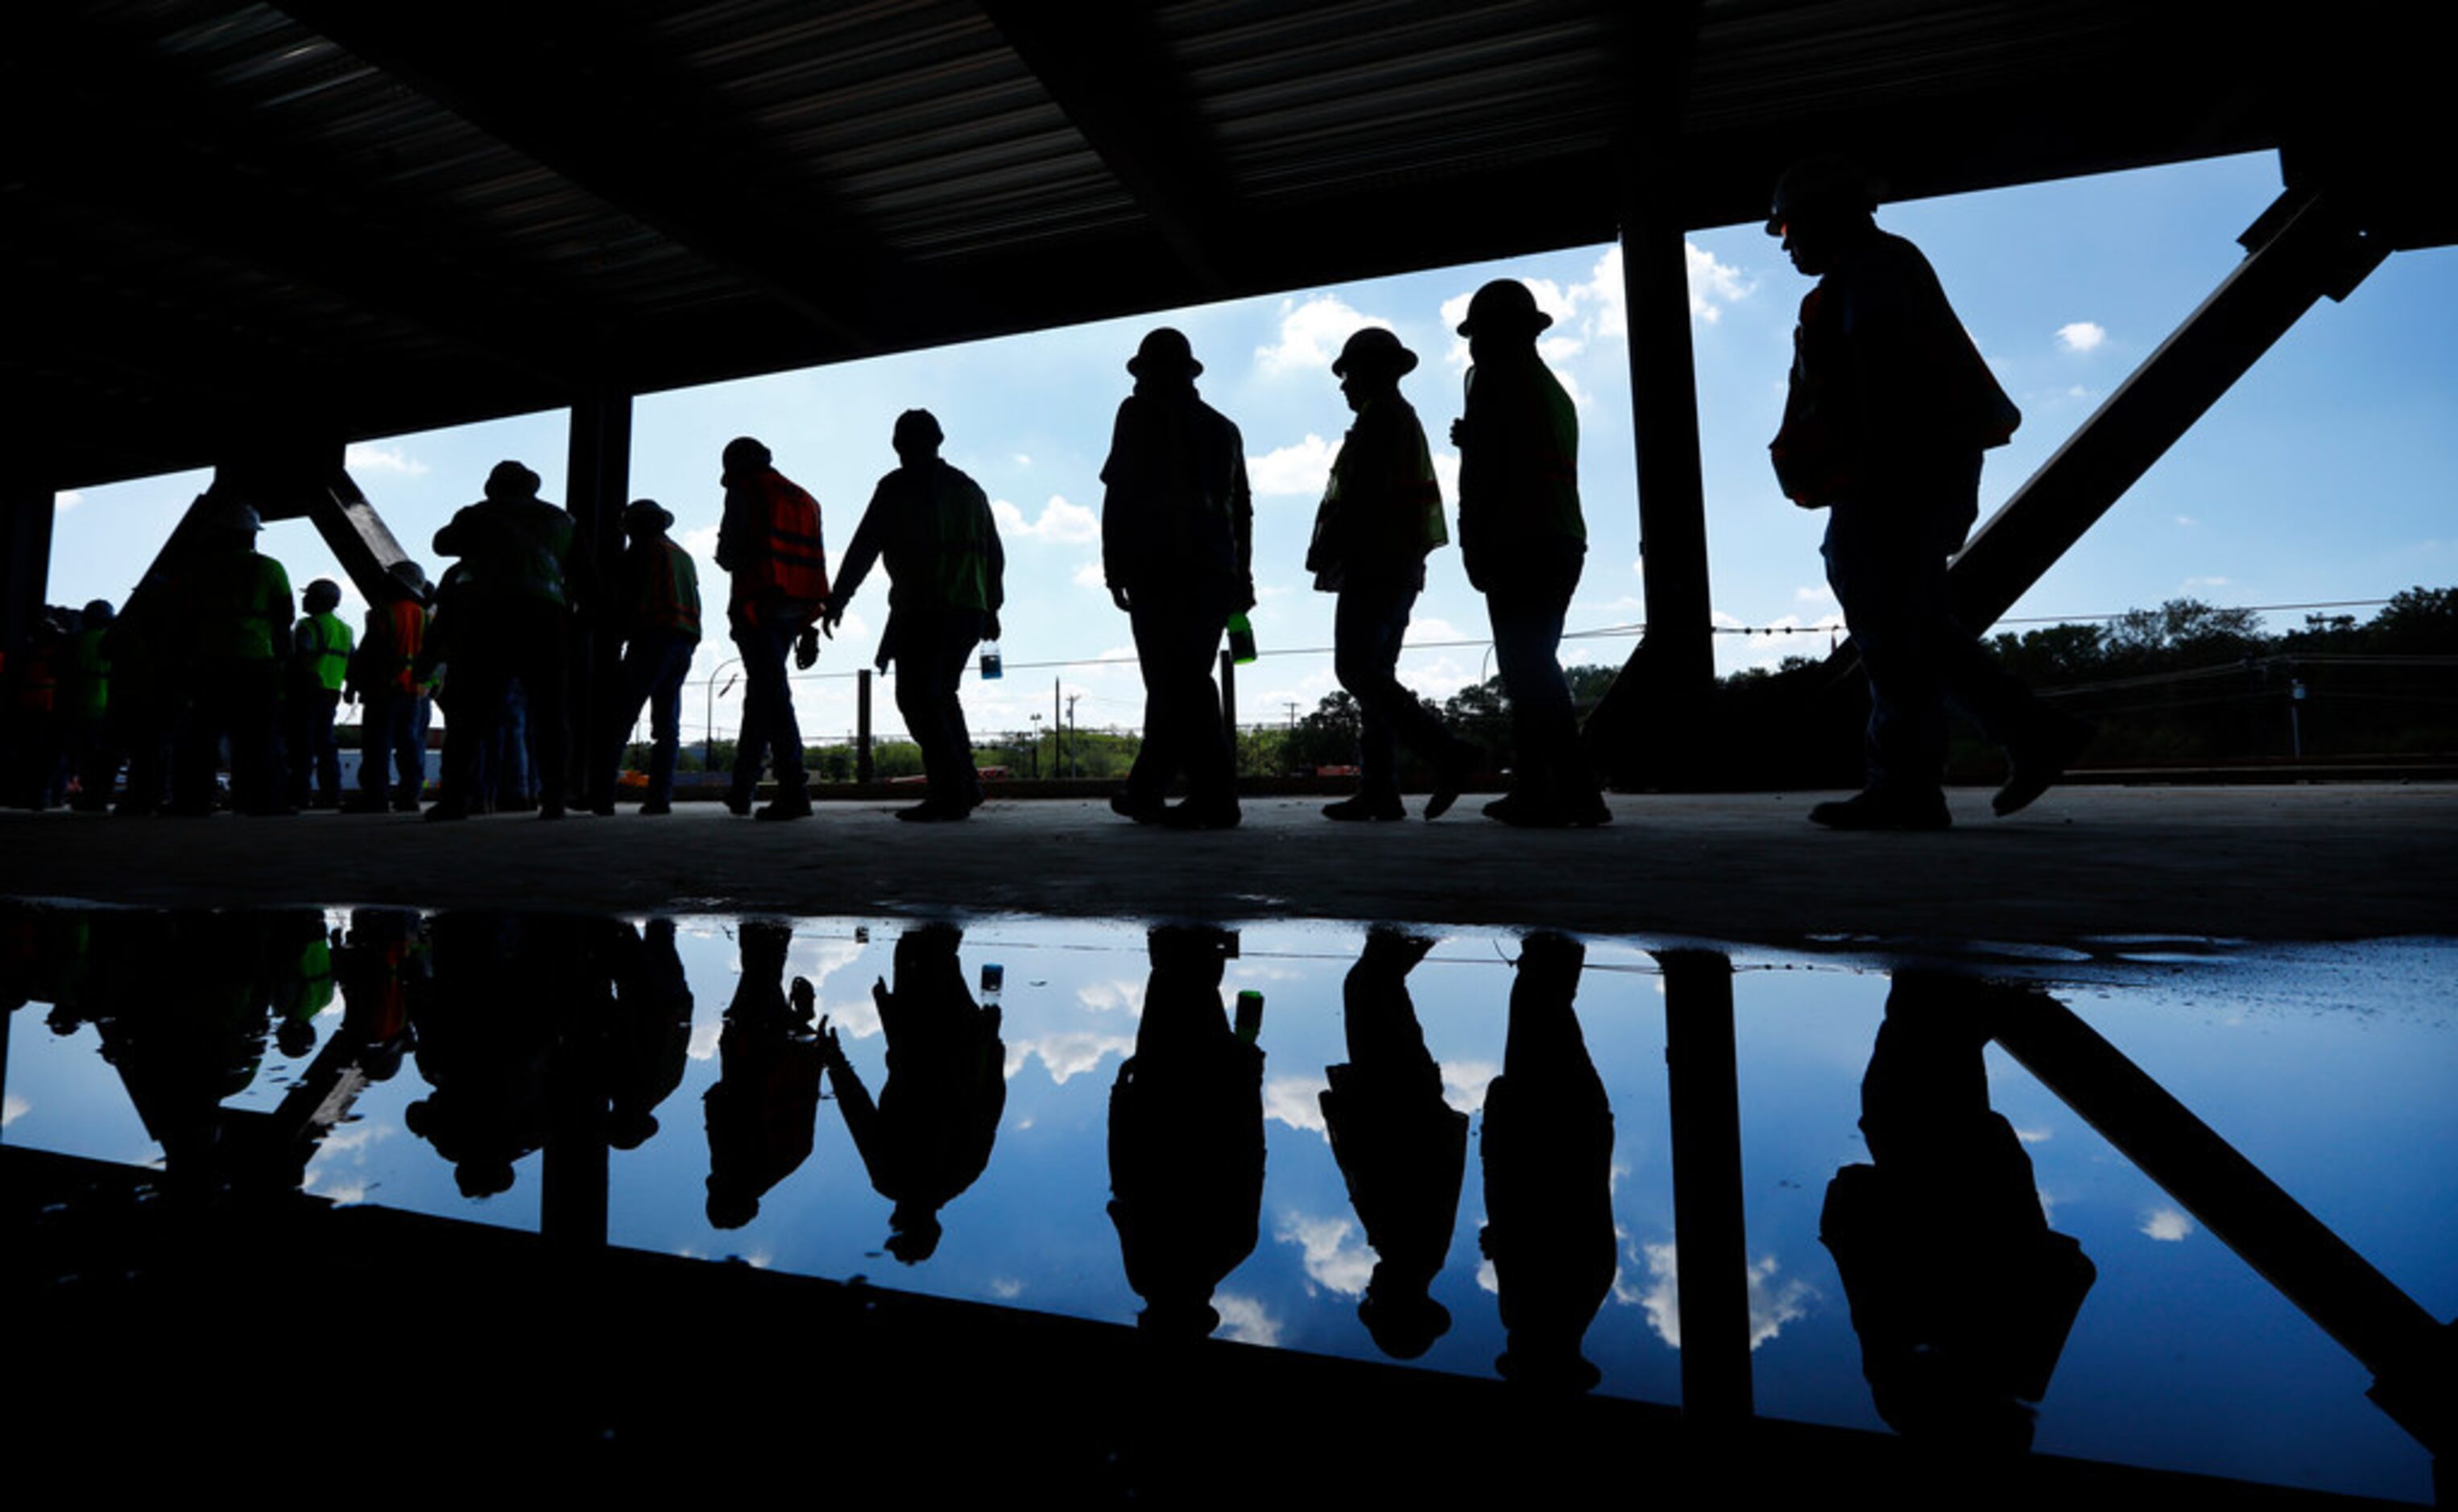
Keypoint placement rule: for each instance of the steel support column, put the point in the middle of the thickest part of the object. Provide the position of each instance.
(1709, 1244)
(26, 507)
(597, 479)
(2303, 248)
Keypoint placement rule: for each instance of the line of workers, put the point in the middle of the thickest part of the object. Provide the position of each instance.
(1888, 413)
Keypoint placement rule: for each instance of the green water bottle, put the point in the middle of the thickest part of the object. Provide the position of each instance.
(1241, 639)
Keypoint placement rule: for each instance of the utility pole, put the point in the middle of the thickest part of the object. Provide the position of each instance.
(1055, 717)
(1075, 740)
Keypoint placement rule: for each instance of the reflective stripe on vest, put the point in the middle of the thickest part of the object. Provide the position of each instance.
(793, 562)
(332, 654)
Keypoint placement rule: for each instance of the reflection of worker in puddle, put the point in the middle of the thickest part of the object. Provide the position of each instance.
(1401, 1147)
(647, 1035)
(379, 959)
(1548, 1146)
(767, 1098)
(1186, 1138)
(1961, 1294)
(487, 1028)
(930, 1135)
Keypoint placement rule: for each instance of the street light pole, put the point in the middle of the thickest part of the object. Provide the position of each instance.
(708, 716)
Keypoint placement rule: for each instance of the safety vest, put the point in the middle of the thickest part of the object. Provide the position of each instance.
(1519, 470)
(960, 520)
(396, 633)
(237, 602)
(1383, 503)
(86, 689)
(666, 592)
(325, 643)
(789, 562)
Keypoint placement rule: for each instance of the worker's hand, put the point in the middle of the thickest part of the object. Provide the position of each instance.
(1459, 432)
(828, 1046)
(802, 998)
(807, 648)
(880, 995)
(990, 626)
(1246, 595)
(831, 610)
(1118, 596)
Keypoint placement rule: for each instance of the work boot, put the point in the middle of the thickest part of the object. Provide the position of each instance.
(2041, 757)
(1525, 812)
(738, 803)
(791, 803)
(1196, 815)
(1126, 805)
(1882, 809)
(1366, 809)
(1451, 777)
(655, 807)
(930, 811)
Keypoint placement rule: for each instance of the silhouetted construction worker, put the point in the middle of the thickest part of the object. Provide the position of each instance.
(1177, 528)
(1402, 1149)
(1547, 1148)
(658, 605)
(29, 742)
(1962, 1295)
(320, 663)
(1186, 1138)
(232, 617)
(512, 614)
(1524, 543)
(1381, 512)
(932, 527)
(928, 1137)
(765, 1103)
(770, 543)
(386, 679)
(1890, 409)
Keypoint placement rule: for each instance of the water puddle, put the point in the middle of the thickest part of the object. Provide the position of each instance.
(1997, 1198)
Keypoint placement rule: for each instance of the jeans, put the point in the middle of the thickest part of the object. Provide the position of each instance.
(1526, 606)
(309, 714)
(932, 654)
(1369, 621)
(652, 672)
(1177, 642)
(389, 737)
(1885, 560)
(770, 732)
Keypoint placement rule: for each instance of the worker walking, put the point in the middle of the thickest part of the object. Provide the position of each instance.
(1888, 411)
(1524, 542)
(1178, 524)
(771, 546)
(658, 599)
(1381, 512)
(932, 525)
(512, 616)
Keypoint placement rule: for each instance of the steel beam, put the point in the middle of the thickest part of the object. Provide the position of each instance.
(598, 480)
(1711, 1244)
(2408, 1350)
(2303, 248)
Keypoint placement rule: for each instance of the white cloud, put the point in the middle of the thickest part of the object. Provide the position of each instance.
(1067, 1055)
(1243, 1319)
(1335, 1261)
(2187, 521)
(1773, 1303)
(365, 457)
(1300, 471)
(2081, 336)
(2166, 1224)
(1311, 334)
(1447, 473)
(1060, 521)
(1464, 1082)
(1104, 997)
(700, 543)
(65, 500)
(1092, 575)
(2207, 582)
(1713, 284)
(1292, 1100)
(1022, 460)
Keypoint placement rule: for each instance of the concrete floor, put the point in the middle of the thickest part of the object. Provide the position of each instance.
(2302, 862)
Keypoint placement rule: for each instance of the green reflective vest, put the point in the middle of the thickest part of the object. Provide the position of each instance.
(324, 651)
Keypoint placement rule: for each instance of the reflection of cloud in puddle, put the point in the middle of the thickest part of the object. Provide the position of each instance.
(1772, 1302)
(1068, 1054)
(1294, 1101)
(1006, 1288)
(704, 1040)
(2166, 1224)
(1243, 1319)
(1464, 1082)
(2033, 1136)
(1106, 997)
(1336, 1261)
(1488, 1279)
(338, 1173)
(12, 1107)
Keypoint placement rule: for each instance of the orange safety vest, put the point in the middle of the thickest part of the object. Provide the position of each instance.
(790, 562)
(405, 627)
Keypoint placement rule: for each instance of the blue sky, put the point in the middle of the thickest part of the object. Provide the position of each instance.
(2328, 473)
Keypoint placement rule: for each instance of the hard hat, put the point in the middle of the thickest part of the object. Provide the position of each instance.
(237, 518)
(97, 611)
(919, 425)
(1502, 307)
(647, 515)
(509, 479)
(408, 575)
(321, 594)
(1374, 351)
(743, 454)
(1828, 185)
(1165, 351)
